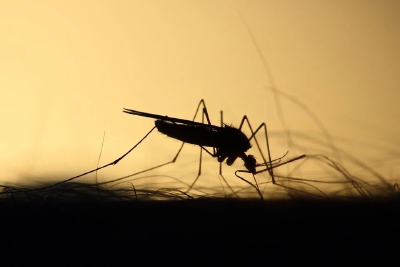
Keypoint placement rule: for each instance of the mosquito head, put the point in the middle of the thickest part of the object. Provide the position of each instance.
(250, 163)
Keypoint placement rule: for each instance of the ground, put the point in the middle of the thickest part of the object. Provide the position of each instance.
(190, 231)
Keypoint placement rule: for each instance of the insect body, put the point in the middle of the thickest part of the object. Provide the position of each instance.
(229, 142)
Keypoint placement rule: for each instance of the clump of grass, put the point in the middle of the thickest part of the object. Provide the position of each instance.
(129, 189)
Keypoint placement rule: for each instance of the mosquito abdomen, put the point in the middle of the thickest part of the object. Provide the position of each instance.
(196, 135)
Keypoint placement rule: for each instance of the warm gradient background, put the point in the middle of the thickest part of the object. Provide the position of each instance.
(68, 68)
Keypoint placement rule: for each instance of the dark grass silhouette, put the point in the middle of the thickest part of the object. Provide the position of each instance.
(343, 185)
(81, 224)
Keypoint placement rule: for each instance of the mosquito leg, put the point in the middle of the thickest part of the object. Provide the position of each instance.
(253, 135)
(281, 164)
(220, 164)
(203, 114)
(201, 153)
(207, 117)
(99, 168)
(199, 172)
(255, 186)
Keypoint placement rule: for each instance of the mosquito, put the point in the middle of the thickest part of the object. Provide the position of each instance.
(227, 142)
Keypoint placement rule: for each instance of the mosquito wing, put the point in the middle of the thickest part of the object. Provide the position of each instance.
(166, 118)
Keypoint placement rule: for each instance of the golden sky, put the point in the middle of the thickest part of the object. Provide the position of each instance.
(67, 68)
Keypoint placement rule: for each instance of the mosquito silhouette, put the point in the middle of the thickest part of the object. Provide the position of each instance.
(227, 142)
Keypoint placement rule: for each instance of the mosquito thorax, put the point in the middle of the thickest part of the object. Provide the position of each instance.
(234, 139)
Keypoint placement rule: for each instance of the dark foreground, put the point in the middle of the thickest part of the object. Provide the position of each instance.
(196, 231)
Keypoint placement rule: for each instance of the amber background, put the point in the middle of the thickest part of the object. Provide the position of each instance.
(68, 68)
